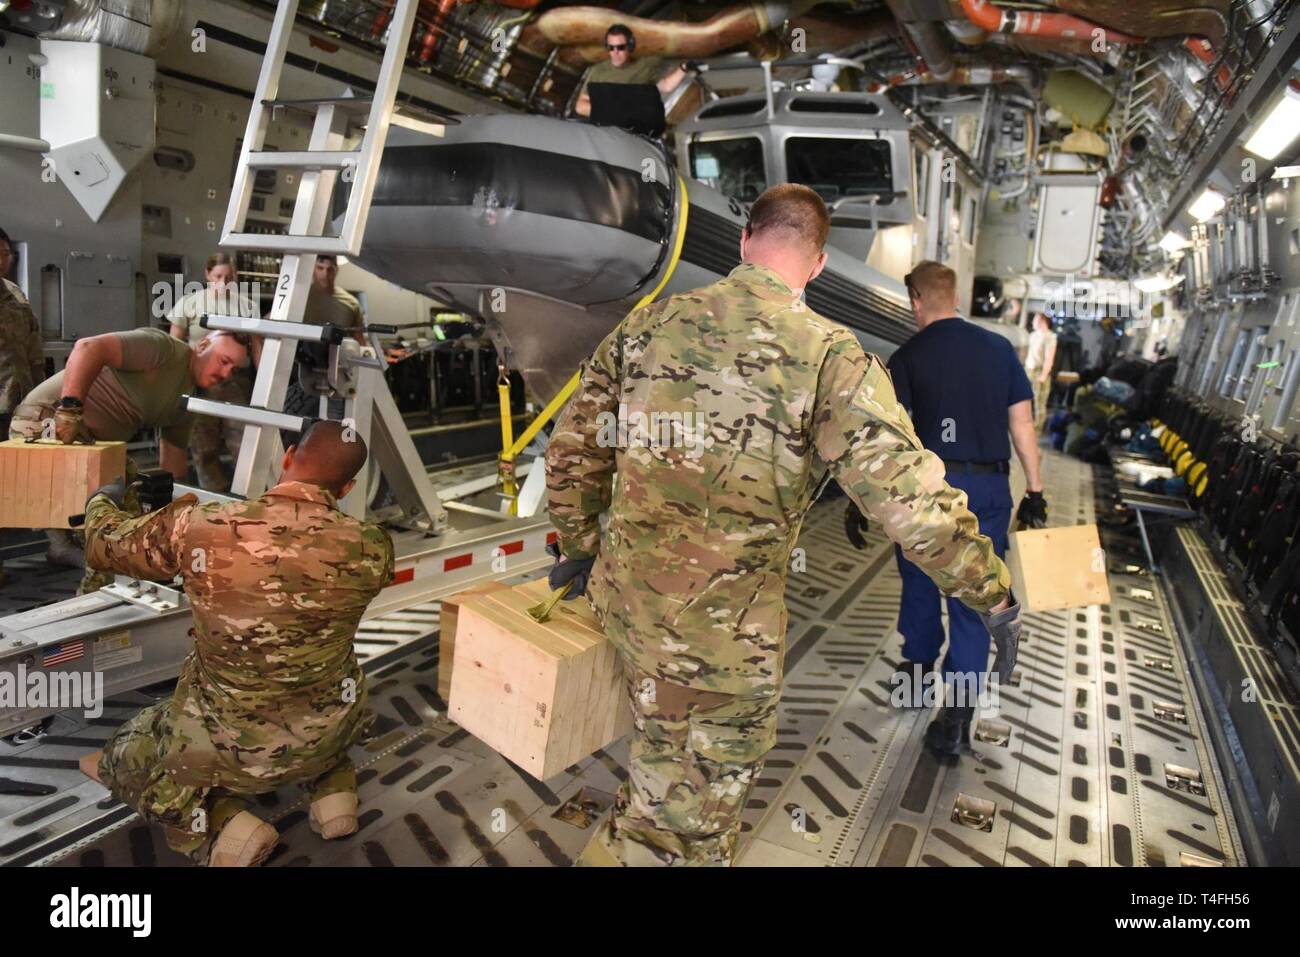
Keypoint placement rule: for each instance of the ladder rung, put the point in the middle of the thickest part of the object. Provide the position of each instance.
(359, 103)
(282, 243)
(248, 414)
(303, 159)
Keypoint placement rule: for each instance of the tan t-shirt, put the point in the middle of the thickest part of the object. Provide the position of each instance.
(145, 393)
(340, 309)
(637, 70)
(194, 306)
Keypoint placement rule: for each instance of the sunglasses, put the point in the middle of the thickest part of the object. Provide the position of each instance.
(615, 46)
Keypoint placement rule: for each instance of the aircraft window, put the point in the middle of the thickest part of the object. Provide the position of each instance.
(810, 104)
(838, 167)
(733, 167)
(733, 106)
(970, 220)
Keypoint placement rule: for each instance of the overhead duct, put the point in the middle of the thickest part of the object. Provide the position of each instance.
(585, 28)
(927, 35)
(138, 26)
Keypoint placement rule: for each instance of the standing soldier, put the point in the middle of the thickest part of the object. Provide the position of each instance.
(221, 297)
(22, 355)
(272, 693)
(327, 303)
(689, 578)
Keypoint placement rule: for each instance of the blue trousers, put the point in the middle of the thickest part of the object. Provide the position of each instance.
(919, 621)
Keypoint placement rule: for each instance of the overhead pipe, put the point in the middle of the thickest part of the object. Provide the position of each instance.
(964, 75)
(928, 39)
(585, 28)
(995, 19)
(1201, 49)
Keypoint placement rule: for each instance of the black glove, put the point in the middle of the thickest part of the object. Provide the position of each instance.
(575, 570)
(1032, 512)
(114, 490)
(1004, 626)
(855, 527)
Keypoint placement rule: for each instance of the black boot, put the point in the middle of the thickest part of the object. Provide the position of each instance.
(949, 733)
(908, 683)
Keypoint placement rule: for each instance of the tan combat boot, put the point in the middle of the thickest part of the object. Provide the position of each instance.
(245, 841)
(334, 815)
(90, 765)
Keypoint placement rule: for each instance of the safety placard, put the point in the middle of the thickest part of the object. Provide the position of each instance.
(114, 650)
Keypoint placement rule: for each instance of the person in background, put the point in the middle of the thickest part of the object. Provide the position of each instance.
(1039, 362)
(623, 67)
(22, 352)
(210, 434)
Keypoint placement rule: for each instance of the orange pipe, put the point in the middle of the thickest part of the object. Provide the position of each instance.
(994, 19)
(1201, 49)
(585, 27)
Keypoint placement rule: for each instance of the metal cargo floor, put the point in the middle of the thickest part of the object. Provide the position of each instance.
(1075, 769)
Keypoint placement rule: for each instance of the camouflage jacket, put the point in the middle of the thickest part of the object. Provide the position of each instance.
(702, 425)
(22, 354)
(278, 585)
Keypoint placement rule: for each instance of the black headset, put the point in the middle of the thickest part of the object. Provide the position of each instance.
(624, 32)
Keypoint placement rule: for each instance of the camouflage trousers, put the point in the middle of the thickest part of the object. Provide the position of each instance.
(135, 768)
(693, 758)
(28, 422)
(1042, 392)
(211, 435)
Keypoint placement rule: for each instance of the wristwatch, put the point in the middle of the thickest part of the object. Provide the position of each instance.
(70, 402)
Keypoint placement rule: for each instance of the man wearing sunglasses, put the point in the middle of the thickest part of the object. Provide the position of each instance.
(623, 67)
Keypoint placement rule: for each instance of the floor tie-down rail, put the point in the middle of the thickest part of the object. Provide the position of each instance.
(1098, 757)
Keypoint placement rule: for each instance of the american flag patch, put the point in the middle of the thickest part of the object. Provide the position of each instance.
(62, 654)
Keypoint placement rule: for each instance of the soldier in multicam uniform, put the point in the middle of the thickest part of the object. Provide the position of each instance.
(211, 434)
(689, 576)
(272, 693)
(22, 354)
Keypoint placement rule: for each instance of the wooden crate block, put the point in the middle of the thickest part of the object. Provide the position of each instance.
(543, 695)
(43, 484)
(447, 617)
(1058, 568)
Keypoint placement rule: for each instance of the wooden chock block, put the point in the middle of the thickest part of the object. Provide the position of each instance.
(543, 695)
(43, 484)
(1058, 568)
(447, 619)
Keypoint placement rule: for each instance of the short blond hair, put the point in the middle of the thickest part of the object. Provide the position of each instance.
(931, 279)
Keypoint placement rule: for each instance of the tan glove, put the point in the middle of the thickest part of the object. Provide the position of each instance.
(70, 425)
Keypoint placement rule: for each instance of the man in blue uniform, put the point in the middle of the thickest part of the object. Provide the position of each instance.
(965, 390)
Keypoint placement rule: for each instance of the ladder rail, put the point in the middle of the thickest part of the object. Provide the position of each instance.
(366, 173)
(259, 118)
